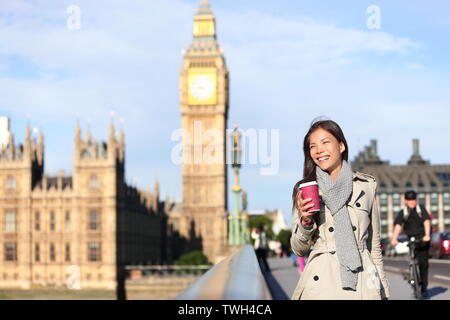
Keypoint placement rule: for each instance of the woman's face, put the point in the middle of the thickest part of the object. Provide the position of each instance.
(325, 150)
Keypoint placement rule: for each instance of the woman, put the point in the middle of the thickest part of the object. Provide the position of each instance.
(345, 261)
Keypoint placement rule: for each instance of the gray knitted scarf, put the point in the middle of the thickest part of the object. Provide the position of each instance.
(336, 194)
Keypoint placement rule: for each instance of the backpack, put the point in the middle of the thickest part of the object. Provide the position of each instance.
(406, 212)
(419, 213)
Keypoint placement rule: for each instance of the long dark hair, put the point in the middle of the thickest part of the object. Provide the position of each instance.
(309, 166)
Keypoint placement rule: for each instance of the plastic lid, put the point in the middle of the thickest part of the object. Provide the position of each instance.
(307, 184)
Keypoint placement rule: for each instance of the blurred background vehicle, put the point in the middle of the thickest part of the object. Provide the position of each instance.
(384, 244)
(440, 245)
(401, 249)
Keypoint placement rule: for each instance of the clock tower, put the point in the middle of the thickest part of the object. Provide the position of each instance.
(204, 113)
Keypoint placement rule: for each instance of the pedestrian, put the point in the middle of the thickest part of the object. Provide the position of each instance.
(294, 259)
(414, 220)
(260, 246)
(345, 261)
(278, 248)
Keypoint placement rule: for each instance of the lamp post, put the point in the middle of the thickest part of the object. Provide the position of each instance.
(245, 229)
(234, 236)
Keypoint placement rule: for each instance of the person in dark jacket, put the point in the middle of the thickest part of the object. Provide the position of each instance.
(414, 220)
(261, 248)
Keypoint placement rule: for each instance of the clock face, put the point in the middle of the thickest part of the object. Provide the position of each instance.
(202, 87)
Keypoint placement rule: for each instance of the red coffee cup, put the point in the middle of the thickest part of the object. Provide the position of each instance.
(311, 190)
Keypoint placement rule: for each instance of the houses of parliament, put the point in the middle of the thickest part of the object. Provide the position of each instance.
(96, 222)
(92, 219)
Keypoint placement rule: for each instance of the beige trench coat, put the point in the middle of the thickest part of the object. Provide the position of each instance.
(321, 277)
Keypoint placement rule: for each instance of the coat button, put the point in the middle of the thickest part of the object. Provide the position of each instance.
(331, 229)
(354, 228)
(358, 204)
(316, 278)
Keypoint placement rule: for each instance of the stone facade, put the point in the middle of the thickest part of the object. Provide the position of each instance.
(431, 182)
(80, 229)
(202, 217)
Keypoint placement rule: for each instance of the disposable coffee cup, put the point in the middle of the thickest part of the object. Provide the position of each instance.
(311, 190)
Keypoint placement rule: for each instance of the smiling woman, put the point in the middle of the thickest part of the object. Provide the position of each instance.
(345, 261)
(324, 138)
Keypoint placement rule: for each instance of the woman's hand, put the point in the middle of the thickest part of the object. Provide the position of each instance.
(303, 205)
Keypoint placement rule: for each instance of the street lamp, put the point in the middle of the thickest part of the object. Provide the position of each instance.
(235, 234)
(245, 229)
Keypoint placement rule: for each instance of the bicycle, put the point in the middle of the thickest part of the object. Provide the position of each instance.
(413, 273)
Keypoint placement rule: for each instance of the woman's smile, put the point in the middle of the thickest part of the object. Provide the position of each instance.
(323, 159)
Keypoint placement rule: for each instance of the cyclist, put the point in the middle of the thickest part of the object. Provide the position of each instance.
(415, 222)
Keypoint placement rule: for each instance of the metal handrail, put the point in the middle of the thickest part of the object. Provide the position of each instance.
(167, 267)
(237, 277)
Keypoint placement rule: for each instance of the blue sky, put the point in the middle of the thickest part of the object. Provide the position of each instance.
(289, 62)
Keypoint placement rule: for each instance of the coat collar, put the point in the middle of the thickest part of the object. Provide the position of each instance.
(360, 176)
(357, 194)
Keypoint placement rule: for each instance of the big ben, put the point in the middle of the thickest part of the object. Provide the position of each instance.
(204, 113)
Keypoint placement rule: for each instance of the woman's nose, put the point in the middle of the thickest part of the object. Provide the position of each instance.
(319, 150)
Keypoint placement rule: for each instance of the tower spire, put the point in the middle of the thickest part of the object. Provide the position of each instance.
(40, 153)
(112, 148)
(41, 137)
(27, 142)
(27, 129)
(88, 132)
(77, 140)
(416, 157)
(112, 130)
(77, 132)
(204, 23)
(28, 133)
(121, 140)
(204, 8)
(156, 188)
(121, 132)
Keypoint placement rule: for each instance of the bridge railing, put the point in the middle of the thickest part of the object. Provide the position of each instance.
(135, 272)
(237, 277)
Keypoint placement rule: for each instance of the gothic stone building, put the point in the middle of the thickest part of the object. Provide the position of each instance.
(92, 221)
(431, 182)
(204, 113)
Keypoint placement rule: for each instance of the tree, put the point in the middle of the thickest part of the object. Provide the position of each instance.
(193, 258)
(264, 223)
(284, 237)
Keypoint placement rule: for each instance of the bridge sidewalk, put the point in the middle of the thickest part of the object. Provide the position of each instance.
(287, 276)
